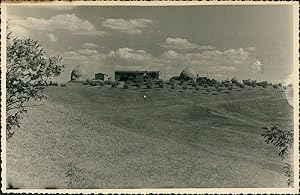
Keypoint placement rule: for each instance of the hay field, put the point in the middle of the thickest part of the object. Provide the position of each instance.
(101, 137)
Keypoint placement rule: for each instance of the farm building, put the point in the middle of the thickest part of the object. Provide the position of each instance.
(132, 75)
(101, 76)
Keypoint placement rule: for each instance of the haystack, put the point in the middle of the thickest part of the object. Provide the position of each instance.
(188, 74)
(79, 74)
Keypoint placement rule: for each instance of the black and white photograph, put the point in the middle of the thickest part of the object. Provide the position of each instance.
(150, 97)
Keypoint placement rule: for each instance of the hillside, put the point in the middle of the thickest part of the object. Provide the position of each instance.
(101, 137)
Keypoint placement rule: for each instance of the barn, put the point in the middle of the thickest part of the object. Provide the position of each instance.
(132, 75)
(101, 76)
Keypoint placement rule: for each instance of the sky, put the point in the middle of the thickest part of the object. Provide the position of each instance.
(217, 41)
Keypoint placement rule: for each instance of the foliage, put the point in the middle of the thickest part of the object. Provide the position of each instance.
(283, 140)
(184, 87)
(108, 82)
(63, 84)
(28, 68)
(288, 172)
(115, 84)
(161, 83)
(149, 85)
(280, 138)
(52, 83)
(234, 80)
(93, 83)
(126, 86)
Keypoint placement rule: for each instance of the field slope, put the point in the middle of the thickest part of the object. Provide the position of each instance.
(101, 137)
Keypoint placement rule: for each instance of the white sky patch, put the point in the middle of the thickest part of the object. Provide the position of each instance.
(89, 45)
(87, 52)
(178, 43)
(130, 26)
(68, 22)
(131, 56)
(52, 37)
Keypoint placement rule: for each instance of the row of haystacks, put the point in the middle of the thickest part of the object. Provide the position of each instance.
(188, 76)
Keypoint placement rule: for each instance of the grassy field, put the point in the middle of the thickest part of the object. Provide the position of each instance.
(102, 137)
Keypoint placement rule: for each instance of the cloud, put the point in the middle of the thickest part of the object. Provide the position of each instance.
(87, 52)
(130, 26)
(89, 45)
(52, 37)
(68, 22)
(60, 7)
(183, 44)
(131, 56)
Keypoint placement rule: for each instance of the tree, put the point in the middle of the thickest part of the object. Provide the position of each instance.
(28, 68)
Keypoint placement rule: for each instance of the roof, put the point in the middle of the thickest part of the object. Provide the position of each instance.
(136, 71)
(101, 73)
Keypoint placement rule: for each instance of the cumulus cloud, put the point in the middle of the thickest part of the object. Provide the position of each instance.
(183, 44)
(131, 56)
(68, 22)
(87, 52)
(130, 26)
(89, 45)
(52, 37)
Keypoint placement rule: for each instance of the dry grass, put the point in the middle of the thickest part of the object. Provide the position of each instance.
(84, 137)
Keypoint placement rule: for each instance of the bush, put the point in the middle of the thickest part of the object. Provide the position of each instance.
(138, 85)
(126, 86)
(242, 85)
(93, 83)
(115, 84)
(88, 81)
(108, 82)
(63, 85)
(234, 80)
(161, 83)
(52, 83)
(194, 83)
(197, 88)
(230, 88)
(184, 87)
(219, 89)
(101, 83)
(149, 85)
(205, 86)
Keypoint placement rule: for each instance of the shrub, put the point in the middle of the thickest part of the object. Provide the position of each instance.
(173, 85)
(93, 83)
(101, 83)
(161, 83)
(138, 85)
(230, 88)
(88, 81)
(172, 80)
(207, 90)
(194, 83)
(108, 82)
(205, 86)
(234, 80)
(197, 88)
(184, 87)
(115, 84)
(219, 89)
(149, 85)
(63, 85)
(126, 86)
(53, 83)
(242, 85)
